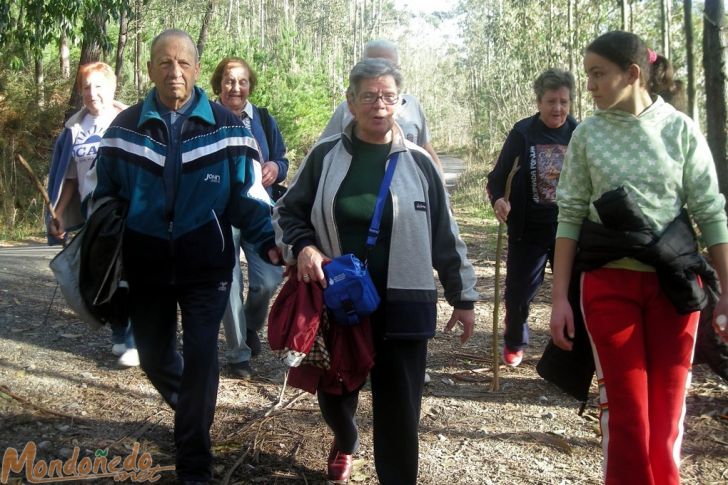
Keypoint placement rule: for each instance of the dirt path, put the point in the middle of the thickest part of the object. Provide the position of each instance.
(61, 389)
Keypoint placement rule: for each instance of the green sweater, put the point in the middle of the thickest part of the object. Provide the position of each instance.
(660, 157)
(354, 208)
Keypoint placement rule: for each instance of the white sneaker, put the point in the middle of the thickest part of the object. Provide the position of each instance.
(130, 358)
(118, 349)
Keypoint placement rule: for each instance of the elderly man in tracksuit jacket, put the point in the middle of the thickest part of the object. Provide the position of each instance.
(184, 166)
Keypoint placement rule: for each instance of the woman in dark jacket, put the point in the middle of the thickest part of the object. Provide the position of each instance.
(537, 144)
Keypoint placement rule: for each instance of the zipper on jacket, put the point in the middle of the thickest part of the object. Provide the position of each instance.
(170, 232)
(169, 192)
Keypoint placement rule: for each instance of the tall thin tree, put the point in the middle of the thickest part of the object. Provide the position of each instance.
(64, 55)
(205, 26)
(715, 85)
(138, 49)
(690, 56)
(93, 32)
(121, 42)
(665, 12)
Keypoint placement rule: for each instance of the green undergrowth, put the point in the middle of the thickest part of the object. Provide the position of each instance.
(476, 219)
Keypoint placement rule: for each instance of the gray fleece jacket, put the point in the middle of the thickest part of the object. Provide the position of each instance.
(424, 233)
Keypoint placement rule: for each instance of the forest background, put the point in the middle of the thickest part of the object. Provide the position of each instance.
(471, 66)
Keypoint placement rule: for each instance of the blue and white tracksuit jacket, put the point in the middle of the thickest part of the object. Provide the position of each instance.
(181, 234)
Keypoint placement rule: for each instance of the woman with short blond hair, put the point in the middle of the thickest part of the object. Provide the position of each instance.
(73, 154)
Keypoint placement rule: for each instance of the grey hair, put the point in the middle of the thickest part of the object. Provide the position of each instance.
(177, 33)
(382, 45)
(552, 79)
(372, 68)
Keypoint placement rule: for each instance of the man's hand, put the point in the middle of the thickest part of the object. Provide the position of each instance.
(502, 208)
(467, 318)
(270, 173)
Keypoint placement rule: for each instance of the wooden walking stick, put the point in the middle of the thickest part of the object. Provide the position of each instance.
(47, 200)
(496, 290)
(36, 181)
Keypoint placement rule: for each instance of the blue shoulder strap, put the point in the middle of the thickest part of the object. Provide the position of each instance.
(379, 207)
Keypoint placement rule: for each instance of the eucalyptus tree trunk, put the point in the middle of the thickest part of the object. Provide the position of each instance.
(579, 87)
(715, 87)
(64, 55)
(90, 52)
(665, 25)
(238, 21)
(121, 43)
(138, 50)
(570, 29)
(205, 26)
(261, 19)
(39, 80)
(229, 15)
(352, 21)
(625, 9)
(690, 57)
(550, 43)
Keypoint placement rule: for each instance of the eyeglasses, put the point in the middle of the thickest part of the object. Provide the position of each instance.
(371, 98)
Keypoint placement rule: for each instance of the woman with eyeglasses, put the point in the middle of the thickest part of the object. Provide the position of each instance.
(326, 212)
(234, 80)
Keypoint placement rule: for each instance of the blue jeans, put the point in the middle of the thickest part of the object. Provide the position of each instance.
(263, 280)
(122, 334)
(524, 274)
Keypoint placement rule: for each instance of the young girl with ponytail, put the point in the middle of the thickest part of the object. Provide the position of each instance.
(628, 173)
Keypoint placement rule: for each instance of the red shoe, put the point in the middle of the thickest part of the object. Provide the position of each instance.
(339, 466)
(512, 358)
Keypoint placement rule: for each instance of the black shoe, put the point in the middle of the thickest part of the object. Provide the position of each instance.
(253, 342)
(241, 370)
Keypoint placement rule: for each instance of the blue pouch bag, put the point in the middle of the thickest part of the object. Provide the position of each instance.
(350, 293)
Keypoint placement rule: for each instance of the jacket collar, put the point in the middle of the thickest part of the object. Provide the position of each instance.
(398, 138)
(77, 117)
(201, 110)
(248, 109)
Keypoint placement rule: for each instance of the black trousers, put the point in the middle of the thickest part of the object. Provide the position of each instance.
(188, 382)
(524, 275)
(397, 381)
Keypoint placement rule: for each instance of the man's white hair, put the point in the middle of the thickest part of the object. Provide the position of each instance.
(382, 45)
(176, 33)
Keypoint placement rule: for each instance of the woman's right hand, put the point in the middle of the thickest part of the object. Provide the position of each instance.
(56, 229)
(502, 208)
(310, 265)
(562, 323)
(720, 322)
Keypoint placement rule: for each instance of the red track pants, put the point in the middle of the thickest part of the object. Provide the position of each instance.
(643, 351)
